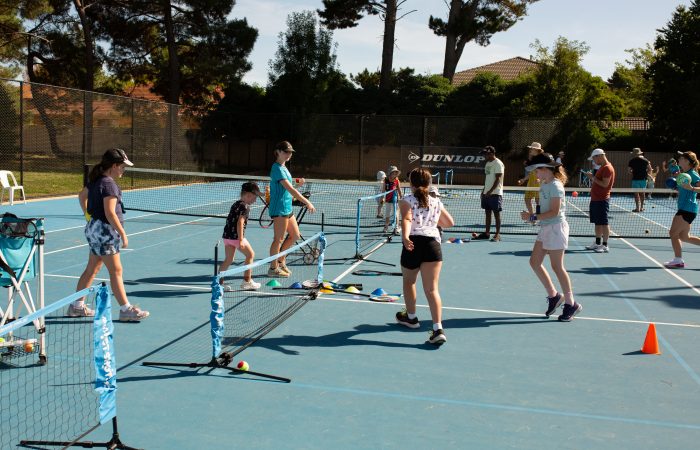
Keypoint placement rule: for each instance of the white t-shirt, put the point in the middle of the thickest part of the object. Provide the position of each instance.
(491, 169)
(425, 220)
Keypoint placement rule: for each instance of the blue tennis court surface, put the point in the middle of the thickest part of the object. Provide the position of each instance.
(506, 378)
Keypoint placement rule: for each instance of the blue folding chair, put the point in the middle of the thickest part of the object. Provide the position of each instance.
(22, 261)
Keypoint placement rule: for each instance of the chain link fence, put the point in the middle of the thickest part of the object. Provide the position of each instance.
(48, 133)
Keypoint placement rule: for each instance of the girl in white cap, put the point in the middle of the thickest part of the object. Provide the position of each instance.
(553, 238)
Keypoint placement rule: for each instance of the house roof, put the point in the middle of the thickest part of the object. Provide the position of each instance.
(508, 69)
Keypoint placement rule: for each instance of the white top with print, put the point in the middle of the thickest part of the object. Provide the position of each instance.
(425, 220)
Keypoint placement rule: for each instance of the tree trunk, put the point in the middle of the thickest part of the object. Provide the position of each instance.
(173, 60)
(40, 102)
(450, 64)
(388, 45)
(89, 82)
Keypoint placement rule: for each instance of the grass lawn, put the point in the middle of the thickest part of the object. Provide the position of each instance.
(50, 184)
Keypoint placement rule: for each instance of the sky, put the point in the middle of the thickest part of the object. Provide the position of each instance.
(608, 27)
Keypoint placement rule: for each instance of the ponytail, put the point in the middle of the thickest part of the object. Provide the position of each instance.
(97, 170)
(420, 180)
(560, 174)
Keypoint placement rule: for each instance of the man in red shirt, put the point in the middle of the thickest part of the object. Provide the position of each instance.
(601, 185)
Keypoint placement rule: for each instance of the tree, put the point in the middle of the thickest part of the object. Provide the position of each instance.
(186, 49)
(675, 76)
(347, 13)
(630, 81)
(304, 72)
(561, 88)
(474, 20)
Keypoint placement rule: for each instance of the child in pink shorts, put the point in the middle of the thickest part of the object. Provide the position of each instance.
(234, 234)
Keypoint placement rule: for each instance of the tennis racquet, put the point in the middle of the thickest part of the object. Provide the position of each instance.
(376, 273)
(265, 220)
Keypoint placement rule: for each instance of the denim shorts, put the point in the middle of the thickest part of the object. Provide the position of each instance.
(102, 238)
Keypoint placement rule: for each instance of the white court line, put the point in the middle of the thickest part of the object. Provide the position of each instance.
(351, 268)
(510, 313)
(131, 234)
(183, 286)
(660, 264)
(83, 226)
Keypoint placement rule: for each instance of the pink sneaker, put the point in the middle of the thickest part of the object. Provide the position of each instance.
(133, 314)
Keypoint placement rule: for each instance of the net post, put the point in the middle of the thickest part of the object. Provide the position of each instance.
(357, 229)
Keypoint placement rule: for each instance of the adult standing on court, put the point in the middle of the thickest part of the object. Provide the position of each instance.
(284, 223)
(101, 202)
(560, 159)
(421, 214)
(531, 179)
(492, 195)
(640, 168)
(601, 185)
(553, 238)
(687, 209)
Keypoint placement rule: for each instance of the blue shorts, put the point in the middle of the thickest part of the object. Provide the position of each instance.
(599, 211)
(492, 202)
(102, 238)
(639, 184)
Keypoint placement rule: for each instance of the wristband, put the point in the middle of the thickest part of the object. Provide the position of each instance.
(533, 217)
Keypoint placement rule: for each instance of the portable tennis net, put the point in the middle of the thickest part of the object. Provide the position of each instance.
(240, 317)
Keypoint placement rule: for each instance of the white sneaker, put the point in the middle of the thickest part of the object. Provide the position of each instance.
(227, 287)
(250, 285)
(602, 249)
(593, 246)
(675, 263)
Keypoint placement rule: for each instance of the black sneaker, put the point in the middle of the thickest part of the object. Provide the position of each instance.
(553, 304)
(482, 236)
(402, 318)
(570, 312)
(437, 337)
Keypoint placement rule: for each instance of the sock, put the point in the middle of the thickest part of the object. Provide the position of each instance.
(412, 316)
(597, 240)
(125, 308)
(605, 243)
(437, 326)
(569, 298)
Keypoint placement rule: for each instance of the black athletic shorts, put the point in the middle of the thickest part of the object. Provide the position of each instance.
(425, 249)
(686, 215)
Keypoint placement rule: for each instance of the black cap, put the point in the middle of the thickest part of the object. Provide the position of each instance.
(250, 186)
(116, 156)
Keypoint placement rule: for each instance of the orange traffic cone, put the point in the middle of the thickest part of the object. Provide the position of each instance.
(651, 344)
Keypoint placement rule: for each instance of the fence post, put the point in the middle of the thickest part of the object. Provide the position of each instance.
(362, 138)
(21, 133)
(131, 150)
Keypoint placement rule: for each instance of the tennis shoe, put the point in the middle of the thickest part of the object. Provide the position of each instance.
(553, 303)
(675, 263)
(80, 311)
(277, 272)
(593, 246)
(227, 287)
(133, 314)
(402, 318)
(285, 268)
(570, 312)
(602, 249)
(250, 285)
(482, 236)
(437, 337)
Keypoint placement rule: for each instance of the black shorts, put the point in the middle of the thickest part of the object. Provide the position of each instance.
(492, 202)
(425, 249)
(599, 211)
(687, 215)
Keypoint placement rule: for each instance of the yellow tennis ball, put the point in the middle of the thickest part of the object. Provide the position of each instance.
(87, 216)
(242, 365)
(2, 340)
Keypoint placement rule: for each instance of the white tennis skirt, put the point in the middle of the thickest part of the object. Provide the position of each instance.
(554, 236)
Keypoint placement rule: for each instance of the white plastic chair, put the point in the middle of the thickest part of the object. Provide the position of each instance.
(9, 183)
